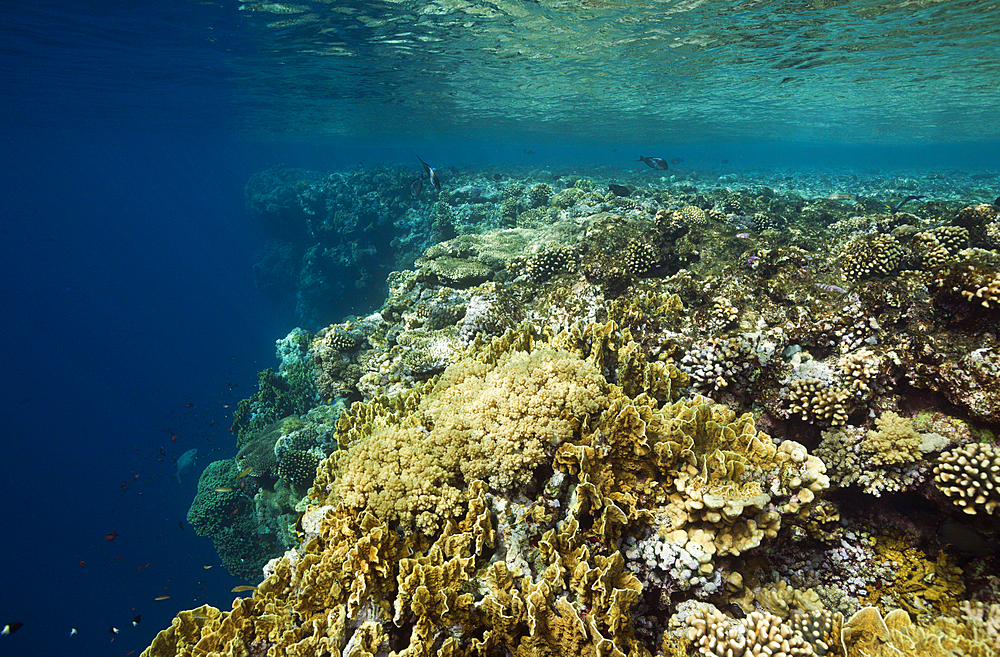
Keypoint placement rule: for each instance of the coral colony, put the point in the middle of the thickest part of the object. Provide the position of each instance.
(581, 424)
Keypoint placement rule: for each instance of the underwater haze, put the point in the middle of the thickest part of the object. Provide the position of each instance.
(184, 183)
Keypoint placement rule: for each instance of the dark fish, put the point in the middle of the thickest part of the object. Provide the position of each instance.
(528, 152)
(997, 201)
(431, 173)
(966, 539)
(619, 190)
(135, 621)
(10, 628)
(655, 162)
(676, 160)
(110, 537)
(417, 186)
(911, 197)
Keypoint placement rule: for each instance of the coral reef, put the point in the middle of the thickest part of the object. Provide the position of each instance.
(584, 423)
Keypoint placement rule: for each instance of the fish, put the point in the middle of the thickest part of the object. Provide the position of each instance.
(113, 630)
(676, 160)
(742, 236)
(161, 597)
(10, 628)
(110, 537)
(831, 288)
(245, 472)
(911, 197)
(528, 152)
(655, 162)
(72, 631)
(619, 190)
(243, 588)
(966, 539)
(842, 196)
(184, 463)
(416, 186)
(207, 566)
(431, 174)
(996, 201)
(135, 621)
(222, 489)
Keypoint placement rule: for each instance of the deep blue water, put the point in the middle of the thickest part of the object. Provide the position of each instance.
(128, 304)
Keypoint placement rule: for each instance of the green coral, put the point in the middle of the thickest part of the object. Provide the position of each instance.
(567, 198)
(223, 514)
(539, 195)
(257, 451)
(442, 221)
(277, 397)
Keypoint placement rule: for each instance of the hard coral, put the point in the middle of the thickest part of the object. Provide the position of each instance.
(480, 421)
(968, 475)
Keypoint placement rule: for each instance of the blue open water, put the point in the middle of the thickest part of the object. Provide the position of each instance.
(128, 131)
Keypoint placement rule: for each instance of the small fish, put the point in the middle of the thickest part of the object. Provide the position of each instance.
(180, 523)
(243, 588)
(10, 628)
(135, 621)
(200, 616)
(72, 631)
(222, 489)
(82, 564)
(752, 261)
(911, 197)
(207, 566)
(831, 288)
(528, 152)
(655, 162)
(161, 597)
(416, 186)
(431, 174)
(113, 630)
(841, 196)
(110, 537)
(742, 236)
(676, 160)
(245, 472)
(996, 201)
(619, 190)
